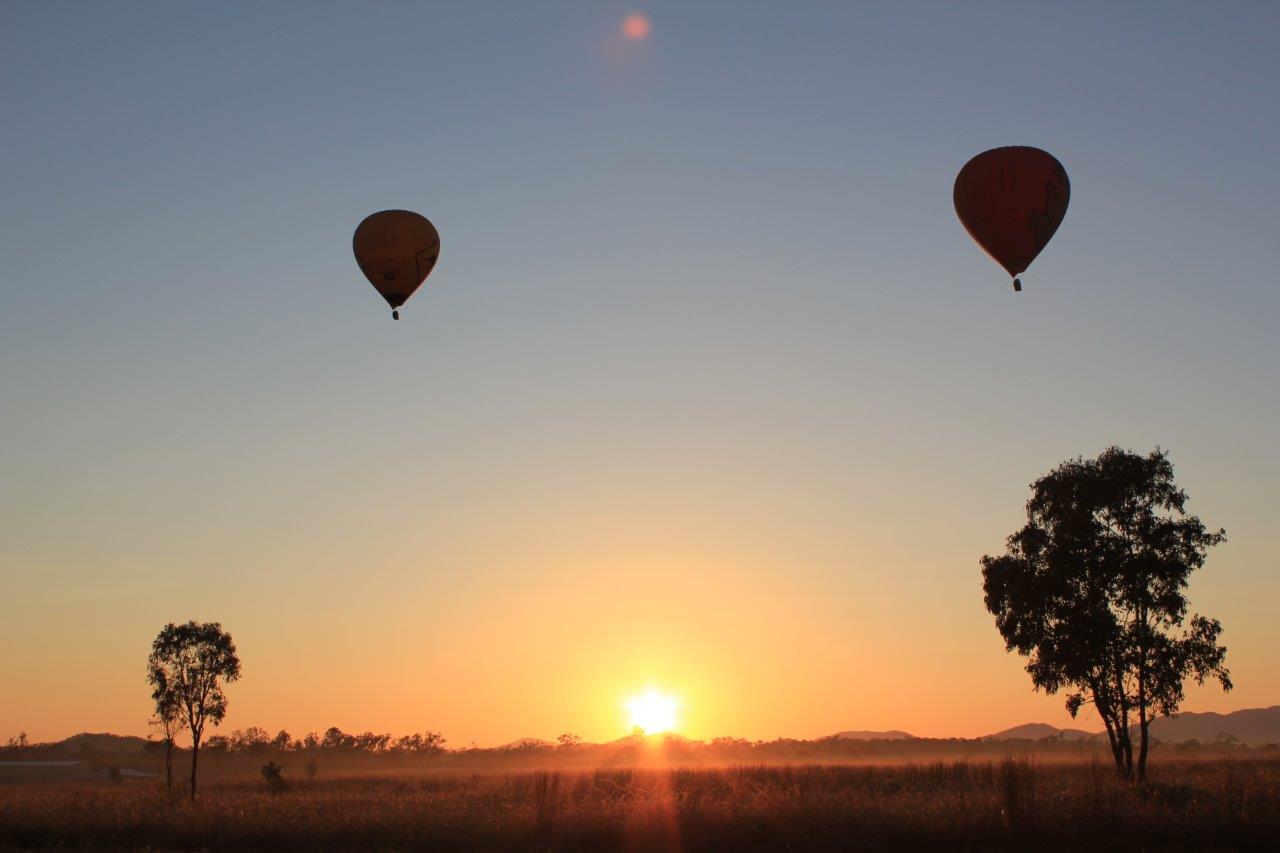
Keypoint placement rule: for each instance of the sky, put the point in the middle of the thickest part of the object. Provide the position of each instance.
(709, 391)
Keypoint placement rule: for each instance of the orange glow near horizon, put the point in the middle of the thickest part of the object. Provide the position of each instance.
(636, 26)
(653, 712)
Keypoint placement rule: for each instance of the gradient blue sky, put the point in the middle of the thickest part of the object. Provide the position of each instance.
(709, 390)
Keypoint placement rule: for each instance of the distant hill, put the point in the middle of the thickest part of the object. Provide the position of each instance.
(889, 735)
(527, 743)
(675, 738)
(1253, 726)
(1039, 731)
(633, 740)
(104, 742)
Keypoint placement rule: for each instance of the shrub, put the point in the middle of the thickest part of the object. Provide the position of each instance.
(273, 775)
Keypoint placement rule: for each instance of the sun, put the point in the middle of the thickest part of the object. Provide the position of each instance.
(653, 712)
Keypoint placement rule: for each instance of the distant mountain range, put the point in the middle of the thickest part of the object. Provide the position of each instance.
(1253, 726)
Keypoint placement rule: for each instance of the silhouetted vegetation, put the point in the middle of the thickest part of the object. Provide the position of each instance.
(273, 775)
(1092, 590)
(240, 755)
(1012, 804)
(186, 670)
(168, 720)
(333, 740)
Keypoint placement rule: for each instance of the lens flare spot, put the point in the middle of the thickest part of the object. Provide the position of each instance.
(636, 26)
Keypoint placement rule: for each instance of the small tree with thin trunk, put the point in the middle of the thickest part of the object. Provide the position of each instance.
(1092, 591)
(188, 667)
(167, 719)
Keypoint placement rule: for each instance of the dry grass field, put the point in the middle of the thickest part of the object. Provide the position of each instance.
(1009, 805)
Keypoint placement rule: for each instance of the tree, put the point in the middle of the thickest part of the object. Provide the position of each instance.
(189, 665)
(1092, 591)
(273, 775)
(167, 719)
(426, 743)
(568, 740)
(217, 743)
(336, 739)
(371, 742)
(252, 739)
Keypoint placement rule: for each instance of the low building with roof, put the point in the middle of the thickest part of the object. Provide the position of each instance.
(44, 771)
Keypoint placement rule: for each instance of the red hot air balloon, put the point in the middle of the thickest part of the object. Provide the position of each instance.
(396, 251)
(1011, 200)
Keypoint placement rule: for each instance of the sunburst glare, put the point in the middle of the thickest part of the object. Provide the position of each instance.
(653, 712)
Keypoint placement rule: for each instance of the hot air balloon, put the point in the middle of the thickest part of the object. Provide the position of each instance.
(396, 251)
(1011, 200)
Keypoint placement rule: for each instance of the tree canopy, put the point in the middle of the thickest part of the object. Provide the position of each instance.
(1092, 591)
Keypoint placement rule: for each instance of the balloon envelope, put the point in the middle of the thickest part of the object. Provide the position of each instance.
(396, 251)
(1011, 200)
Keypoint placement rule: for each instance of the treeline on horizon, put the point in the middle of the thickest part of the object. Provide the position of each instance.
(430, 747)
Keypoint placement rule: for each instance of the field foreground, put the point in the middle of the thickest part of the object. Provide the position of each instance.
(1013, 804)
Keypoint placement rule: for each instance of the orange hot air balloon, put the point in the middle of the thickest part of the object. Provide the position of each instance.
(396, 251)
(1011, 200)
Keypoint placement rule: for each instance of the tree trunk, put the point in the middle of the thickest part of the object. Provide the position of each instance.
(1143, 699)
(1142, 752)
(168, 764)
(1113, 730)
(195, 756)
(1117, 751)
(1127, 742)
(1122, 723)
